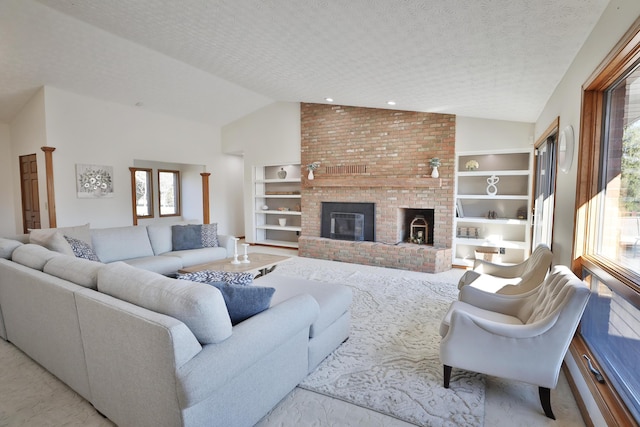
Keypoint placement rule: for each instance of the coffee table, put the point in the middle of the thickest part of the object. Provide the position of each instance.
(261, 263)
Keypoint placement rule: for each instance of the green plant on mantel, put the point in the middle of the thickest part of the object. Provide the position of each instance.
(434, 162)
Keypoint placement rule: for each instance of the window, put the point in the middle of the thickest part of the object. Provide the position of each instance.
(619, 183)
(611, 329)
(141, 193)
(607, 234)
(169, 187)
(545, 184)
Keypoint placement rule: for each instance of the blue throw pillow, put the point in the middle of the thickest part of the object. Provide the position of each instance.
(244, 301)
(185, 237)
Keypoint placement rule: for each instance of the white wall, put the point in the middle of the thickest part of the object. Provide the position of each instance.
(565, 102)
(7, 212)
(269, 136)
(90, 131)
(482, 134)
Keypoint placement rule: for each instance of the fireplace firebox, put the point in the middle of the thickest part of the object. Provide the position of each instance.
(407, 216)
(348, 221)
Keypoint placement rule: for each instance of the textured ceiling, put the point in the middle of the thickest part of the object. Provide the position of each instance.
(214, 61)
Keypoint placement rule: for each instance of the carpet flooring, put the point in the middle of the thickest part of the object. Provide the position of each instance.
(390, 363)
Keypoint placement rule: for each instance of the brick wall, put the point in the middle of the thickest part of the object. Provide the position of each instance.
(376, 143)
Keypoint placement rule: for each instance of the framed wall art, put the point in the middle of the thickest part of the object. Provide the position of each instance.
(94, 181)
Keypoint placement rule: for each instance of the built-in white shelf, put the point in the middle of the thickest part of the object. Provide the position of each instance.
(480, 220)
(278, 196)
(508, 235)
(282, 198)
(489, 197)
(510, 244)
(277, 180)
(281, 243)
(270, 212)
(279, 227)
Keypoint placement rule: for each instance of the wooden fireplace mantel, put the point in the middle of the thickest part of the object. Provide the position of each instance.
(372, 182)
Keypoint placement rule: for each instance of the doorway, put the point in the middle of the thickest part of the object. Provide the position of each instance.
(545, 185)
(30, 194)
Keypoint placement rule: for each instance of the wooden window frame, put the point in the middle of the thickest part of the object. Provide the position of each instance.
(134, 200)
(178, 201)
(615, 65)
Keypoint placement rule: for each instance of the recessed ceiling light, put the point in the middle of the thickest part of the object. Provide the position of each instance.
(391, 102)
(329, 99)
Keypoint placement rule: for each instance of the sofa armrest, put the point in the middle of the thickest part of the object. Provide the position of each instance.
(251, 340)
(226, 241)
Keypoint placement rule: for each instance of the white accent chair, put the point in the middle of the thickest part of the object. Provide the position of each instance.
(509, 279)
(520, 337)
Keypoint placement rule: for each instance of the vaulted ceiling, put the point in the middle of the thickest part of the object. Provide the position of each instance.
(216, 60)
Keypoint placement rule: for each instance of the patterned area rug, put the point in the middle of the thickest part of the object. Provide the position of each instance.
(390, 363)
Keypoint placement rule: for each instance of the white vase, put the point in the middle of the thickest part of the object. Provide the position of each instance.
(310, 176)
(492, 189)
(434, 172)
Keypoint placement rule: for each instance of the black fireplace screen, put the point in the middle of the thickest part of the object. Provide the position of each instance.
(347, 226)
(348, 221)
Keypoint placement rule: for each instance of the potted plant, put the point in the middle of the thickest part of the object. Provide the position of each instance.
(435, 164)
(311, 167)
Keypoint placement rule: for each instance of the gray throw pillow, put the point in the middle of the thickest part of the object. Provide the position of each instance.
(210, 235)
(244, 301)
(185, 237)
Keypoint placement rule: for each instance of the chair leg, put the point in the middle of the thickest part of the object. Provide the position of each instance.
(545, 400)
(447, 375)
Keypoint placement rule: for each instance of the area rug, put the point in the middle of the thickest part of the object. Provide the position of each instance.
(390, 363)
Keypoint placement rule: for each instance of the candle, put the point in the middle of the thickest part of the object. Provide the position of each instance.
(235, 251)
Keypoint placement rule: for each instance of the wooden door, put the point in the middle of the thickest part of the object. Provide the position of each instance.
(30, 195)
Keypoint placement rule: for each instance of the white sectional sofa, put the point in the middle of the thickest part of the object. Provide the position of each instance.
(150, 350)
(147, 247)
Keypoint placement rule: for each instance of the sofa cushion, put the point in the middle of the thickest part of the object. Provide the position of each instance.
(200, 307)
(33, 256)
(334, 299)
(41, 236)
(80, 271)
(244, 302)
(210, 235)
(7, 246)
(186, 237)
(118, 243)
(208, 276)
(51, 239)
(81, 249)
(160, 238)
(193, 257)
(158, 264)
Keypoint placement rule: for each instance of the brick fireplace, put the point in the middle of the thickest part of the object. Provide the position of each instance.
(382, 157)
